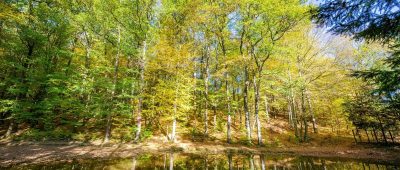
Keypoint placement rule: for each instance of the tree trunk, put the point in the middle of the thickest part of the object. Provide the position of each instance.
(383, 131)
(10, 128)
(259, 137)
(366, 132)
(141, 84)
(173, 136)
(115, 79)
(234, 123)
(314, 122)
(290, 115)
(228, 132)
(132, 99)
(235, 111)
(206, 72)
(246, 105)
(301, 129)
(305, 129)
(173, 133)
(293, 104)
(304, 113)
(240, 119)
(376, 136)
(294, 117)
(86, 77)
(206, 123)
(372, 136)
(384, 135)
(391, 136)
(228, 101)
(354, 135)
(229, 107)
(215, 121)
(338, 126)
(359, 135)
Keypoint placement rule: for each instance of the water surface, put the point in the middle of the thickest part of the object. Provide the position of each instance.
(177, 161)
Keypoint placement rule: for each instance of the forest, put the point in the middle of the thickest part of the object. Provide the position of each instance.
(252, 72)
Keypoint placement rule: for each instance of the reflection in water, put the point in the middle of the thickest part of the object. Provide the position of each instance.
(133, 163)
(251, 160)
(171, 161)
(229, 161)
(262, 160)
(165, 160)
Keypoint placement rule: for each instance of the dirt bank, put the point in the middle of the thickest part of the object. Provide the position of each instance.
(13, 153)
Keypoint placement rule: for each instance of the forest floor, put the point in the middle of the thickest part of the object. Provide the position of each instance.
(20, 153)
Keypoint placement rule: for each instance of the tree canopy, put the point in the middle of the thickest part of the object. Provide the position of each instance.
(123, 70)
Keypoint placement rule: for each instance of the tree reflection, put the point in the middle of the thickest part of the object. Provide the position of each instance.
(217, 161)
(171, 161)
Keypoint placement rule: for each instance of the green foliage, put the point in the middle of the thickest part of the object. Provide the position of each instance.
(147, 133)
(276, 143)
(367, 111)
(77, 69)
(361, 20)
(54, 135)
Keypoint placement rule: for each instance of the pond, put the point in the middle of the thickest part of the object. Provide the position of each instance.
(177, 161)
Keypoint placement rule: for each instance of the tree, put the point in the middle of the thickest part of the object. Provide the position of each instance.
(366, 112)
(125, 70)
(360, 18)
(264, 25)
(170, 94)
(372, 21)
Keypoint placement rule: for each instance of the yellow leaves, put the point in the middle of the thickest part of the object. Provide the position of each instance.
(10, 13)
(338, 102)
(169, 58)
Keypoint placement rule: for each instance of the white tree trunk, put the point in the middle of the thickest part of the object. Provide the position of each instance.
(141, 84)
(292, 105)
(290, 115)
(206, 93)
(173, 133)
(259, 137)
(10, 128)
(228, 132)
(256, 82)
(314, 121)
(246, 106)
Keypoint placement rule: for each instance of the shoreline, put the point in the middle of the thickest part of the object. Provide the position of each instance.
(23, 153)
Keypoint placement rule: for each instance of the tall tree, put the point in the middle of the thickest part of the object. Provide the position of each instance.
(263, 30)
